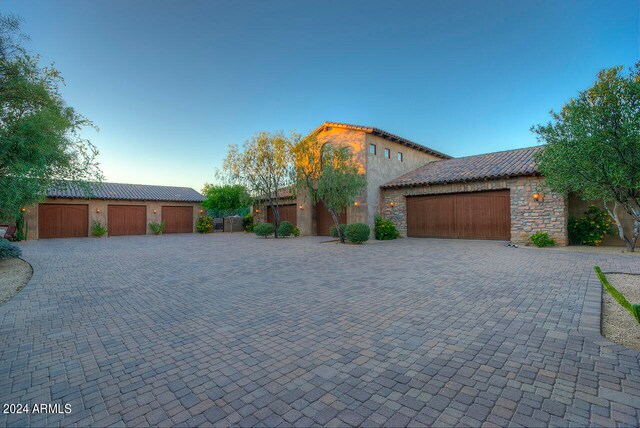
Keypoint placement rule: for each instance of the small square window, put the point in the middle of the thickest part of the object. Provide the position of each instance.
(387, 153)
(400, 156)
(372, 149)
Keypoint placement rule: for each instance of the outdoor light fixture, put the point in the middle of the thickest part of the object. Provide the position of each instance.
(201, 211)
(155, 211)
(257, 211)
(301, 207)
(23, 209)
(356, 203)
(392, 204)
(98, 210)
(537, 197)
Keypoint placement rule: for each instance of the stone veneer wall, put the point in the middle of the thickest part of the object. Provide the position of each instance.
(527, 215)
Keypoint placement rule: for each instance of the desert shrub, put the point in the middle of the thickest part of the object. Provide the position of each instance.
(384, 229)
(296, 232)
(204, 224)
(247, 223)
(98, 229)
(542, 239)
(334, 232)
(592, 228)
(285, 229)
(634, 309)
(8, 250)
(357, 232)
(157, 228)
(263, 229)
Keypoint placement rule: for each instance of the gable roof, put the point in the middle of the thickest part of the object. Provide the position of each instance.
(509, 163)
(128, 192)
(384, 134)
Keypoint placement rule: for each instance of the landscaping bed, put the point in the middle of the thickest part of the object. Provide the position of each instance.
(618, 325)
(14, 275)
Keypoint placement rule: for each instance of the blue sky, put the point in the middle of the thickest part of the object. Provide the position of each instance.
(171, 84)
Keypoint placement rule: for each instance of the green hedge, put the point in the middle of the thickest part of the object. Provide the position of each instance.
(385, 230)
(263, 229)
(285, 229)
(334, 232)
(357, 232)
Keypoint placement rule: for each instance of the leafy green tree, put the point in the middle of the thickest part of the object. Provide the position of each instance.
(328, 174)
(593, 146)
(40, 141)
(264, 166)
(226, 199)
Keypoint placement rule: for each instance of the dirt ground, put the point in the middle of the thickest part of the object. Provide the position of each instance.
(14, 274)
(618, 325)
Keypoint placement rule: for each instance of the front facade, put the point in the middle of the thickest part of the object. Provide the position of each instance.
(125, 209)
(382, 156)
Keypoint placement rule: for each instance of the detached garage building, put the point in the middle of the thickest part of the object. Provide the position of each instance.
(126, 209)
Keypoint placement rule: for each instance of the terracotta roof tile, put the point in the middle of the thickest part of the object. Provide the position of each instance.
(131, 192)
(510, 163)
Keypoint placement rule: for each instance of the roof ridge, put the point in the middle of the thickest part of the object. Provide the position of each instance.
(491, 153)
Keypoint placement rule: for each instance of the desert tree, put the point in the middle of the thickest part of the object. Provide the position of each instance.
(593, 146)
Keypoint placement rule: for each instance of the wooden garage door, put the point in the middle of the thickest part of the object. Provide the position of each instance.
(324, 220)
(177, 219)
(286, 213)
(127, 220)
(63, 221)
(479, 215)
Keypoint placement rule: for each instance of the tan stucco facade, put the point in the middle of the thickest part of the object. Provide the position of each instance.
(98, 211)
(377, 168)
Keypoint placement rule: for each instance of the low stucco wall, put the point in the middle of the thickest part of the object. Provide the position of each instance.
(31, 215)
(527, 215)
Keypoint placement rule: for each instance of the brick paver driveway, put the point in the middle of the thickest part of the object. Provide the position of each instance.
(232, 330)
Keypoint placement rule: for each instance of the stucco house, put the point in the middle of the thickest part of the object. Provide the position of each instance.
(500, 196)
(126, 209)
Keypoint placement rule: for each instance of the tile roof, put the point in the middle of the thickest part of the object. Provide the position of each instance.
(510, 163)
(384, 134)
(129, 192)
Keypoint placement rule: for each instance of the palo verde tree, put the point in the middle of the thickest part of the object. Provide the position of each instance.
(40, 141)
(263, 166)
(328, 174)
(225, 199)
(593, 146)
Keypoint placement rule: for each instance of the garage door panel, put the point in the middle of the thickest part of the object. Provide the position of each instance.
(63, 221)
(286, 213)
(324, 221)
(177, 219)
(480, 215)
(127, 220)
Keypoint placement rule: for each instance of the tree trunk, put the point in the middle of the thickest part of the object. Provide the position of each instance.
(276, 220)
(334, 216)
(629, 242)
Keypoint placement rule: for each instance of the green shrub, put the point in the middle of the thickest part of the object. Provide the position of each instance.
(357, 232)
(632, 308)
(8, 250)
(285, 229)
(98, 229)
(263, 229)
(384, 229)
(334, 232)
(296, 232)
(157, 228)
(204, 224)
(542, 239)
(247, 223)
(592, 228)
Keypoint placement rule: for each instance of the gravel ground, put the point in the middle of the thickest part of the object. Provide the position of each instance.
(618, 325)
(14, 274)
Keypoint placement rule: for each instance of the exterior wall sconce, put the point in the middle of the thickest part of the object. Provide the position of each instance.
(537, 197)
(356, 203)
(392, 204)
(201, 211)
(301, 207)
(155, 211)
(98, 210)
(257, 211)
(23, 209)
